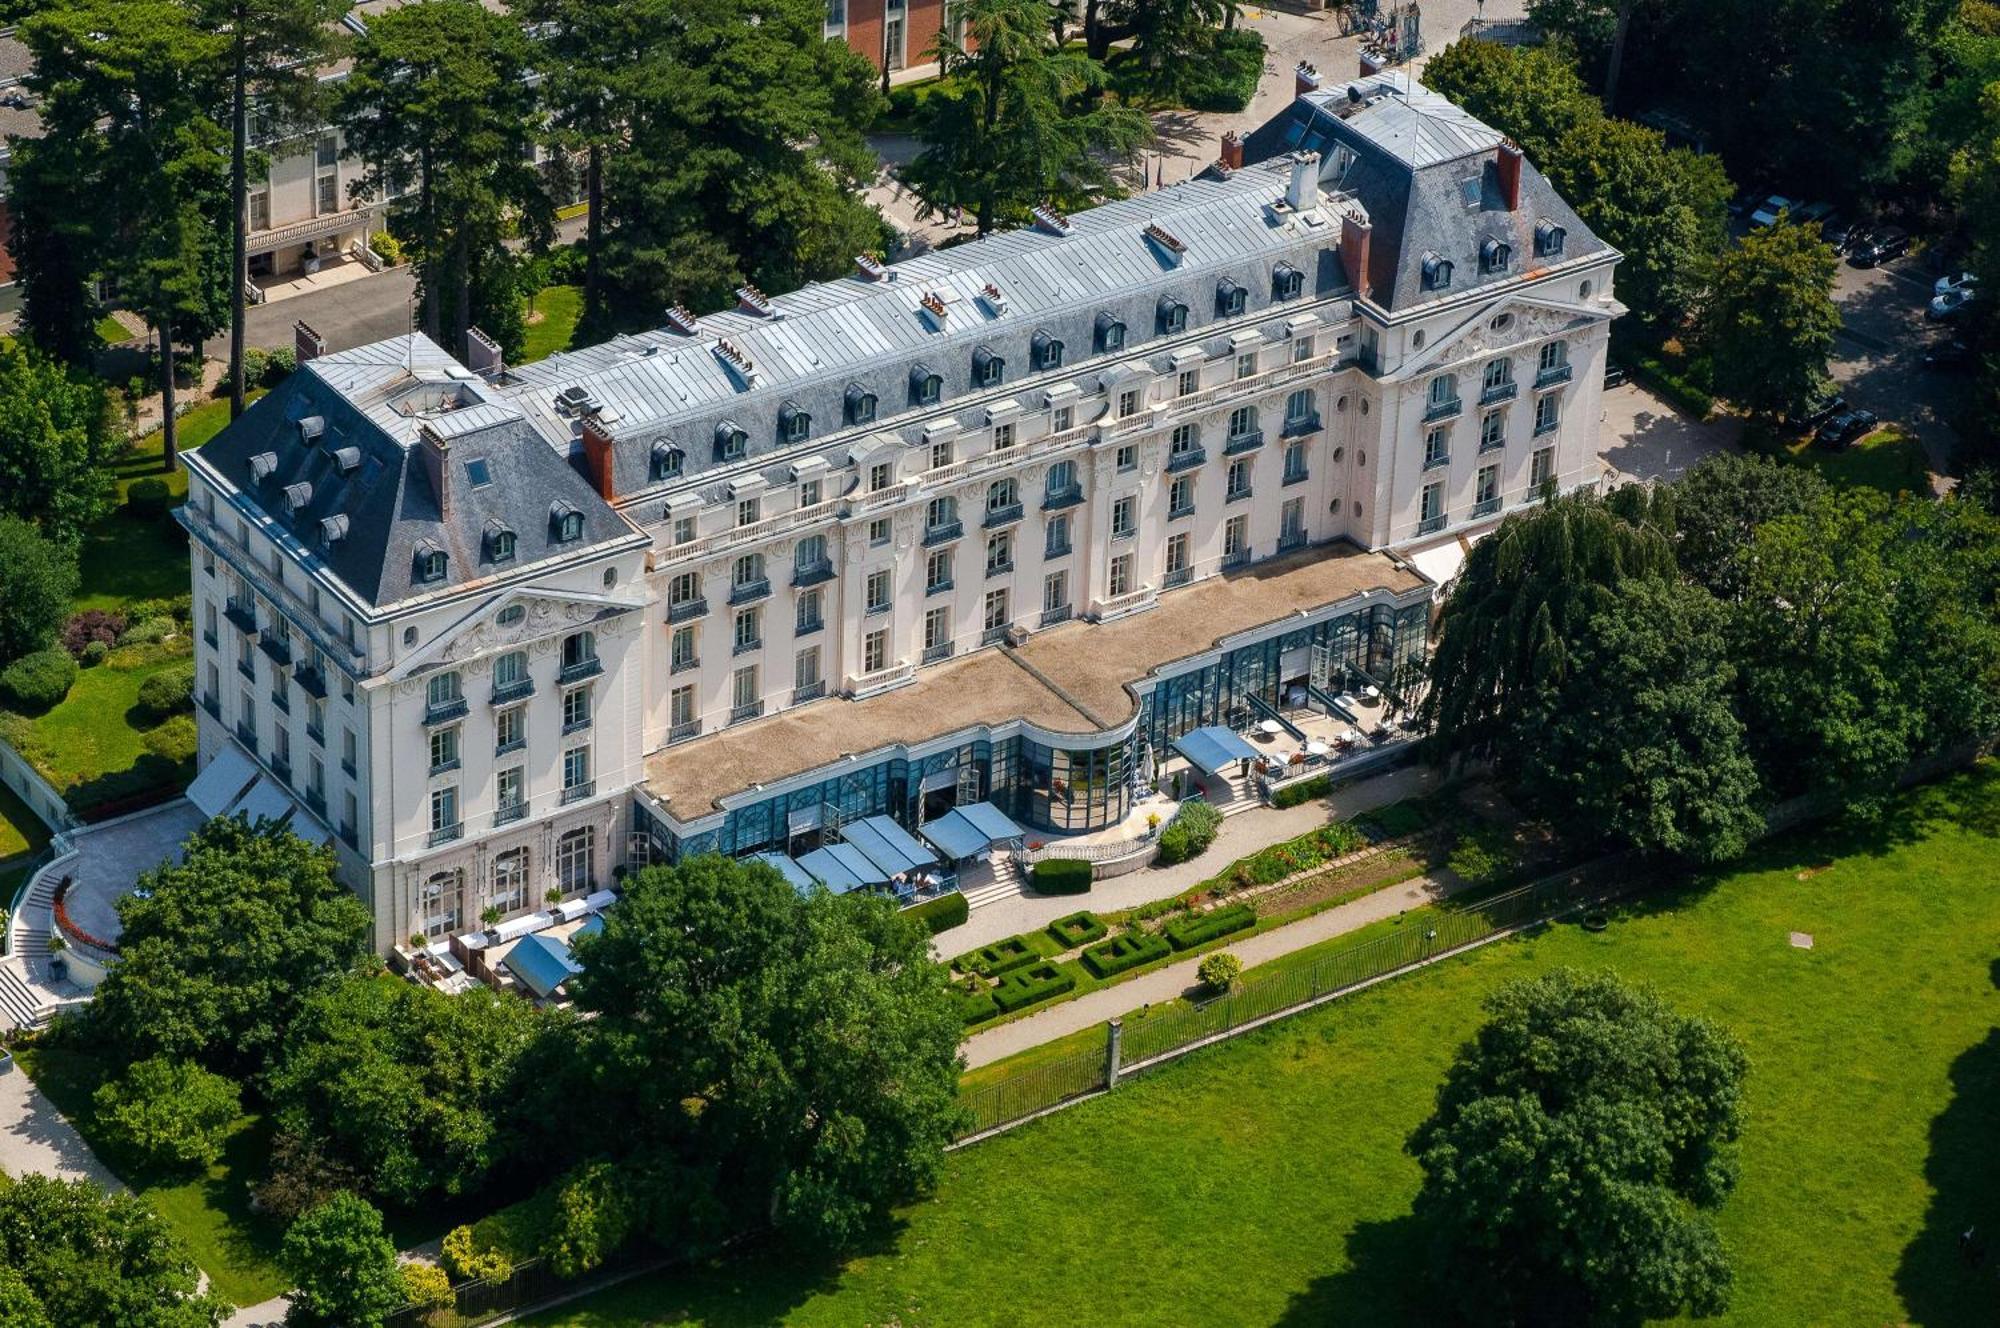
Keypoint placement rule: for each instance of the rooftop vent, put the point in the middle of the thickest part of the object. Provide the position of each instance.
(333, 529)
(576, 400)
(1050, 220)
(753, 301)
(347, 459)
(937, 308)
(297, 496)
(310, 429)
(263, 465)
(870, 267)
(682, 320)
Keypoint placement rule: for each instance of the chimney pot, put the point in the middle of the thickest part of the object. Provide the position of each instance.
(597, 458)
(436, 455)
(1372, 62)
(308, 344)
(1305, 78)
(1355, 233)
(1509, 168)
(1232, 151)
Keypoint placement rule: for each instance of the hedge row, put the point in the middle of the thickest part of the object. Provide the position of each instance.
(1062, 876)
(1303, 791)
(1193, 830)
(1200, 928)
(1024, 987)
(991, 961)
(977, 1006)
(1109, 958)
(940, 914)
(1077, 929)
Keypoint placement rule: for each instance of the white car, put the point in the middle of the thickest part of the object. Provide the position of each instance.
(1963, 281)
(1951, 302)
(1767, 211)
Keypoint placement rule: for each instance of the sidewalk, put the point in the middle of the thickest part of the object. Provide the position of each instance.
(1177, 980)
(1240, 836)
(34, 1136)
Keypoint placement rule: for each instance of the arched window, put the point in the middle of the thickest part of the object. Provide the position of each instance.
(1110, 332)
(430, 563)
(730, 441)
(860, 404)
(1494, 254)
(749, 570)
(510, 672)
(926, 387)
(578, 650)
(1173, 315)
(443, 689)
(1437, 272)
(499, 542)
(439, 904)
(1287, 282)
(666, 461)
(1001, 495)
(1230, 298)
(794, 424)
(508, 887)
(1048, 352)
(576, 861)
(567, 520)
(988, 369)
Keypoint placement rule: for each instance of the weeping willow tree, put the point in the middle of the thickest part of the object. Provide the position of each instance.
(1506, 632)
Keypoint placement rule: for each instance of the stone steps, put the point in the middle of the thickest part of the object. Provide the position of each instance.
(1006, 883)
(20, 1005)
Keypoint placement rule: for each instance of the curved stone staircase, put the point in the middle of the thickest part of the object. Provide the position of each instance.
(29, 996)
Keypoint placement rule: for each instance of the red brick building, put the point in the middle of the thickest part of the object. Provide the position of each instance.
(904, 32)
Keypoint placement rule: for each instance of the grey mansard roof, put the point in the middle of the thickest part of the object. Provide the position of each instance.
(333, 455)
(1426, 173)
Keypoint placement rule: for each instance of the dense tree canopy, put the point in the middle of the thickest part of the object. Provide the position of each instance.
(55, 443)
(167, 1115)
(343, 1267)
(1771, 320)
(223, 947)
(71, 1254)
(38, 579)
(1578, 1143)
(803, 1052)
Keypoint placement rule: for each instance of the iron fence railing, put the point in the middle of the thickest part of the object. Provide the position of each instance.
(1022, 1095)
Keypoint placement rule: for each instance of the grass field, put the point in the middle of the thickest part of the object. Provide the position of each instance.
(21, 831)
(91, 745)
(1263, 1182)
(1888, 459)
(558, 308)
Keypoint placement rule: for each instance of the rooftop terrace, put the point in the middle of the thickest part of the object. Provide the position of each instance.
(1073, 679)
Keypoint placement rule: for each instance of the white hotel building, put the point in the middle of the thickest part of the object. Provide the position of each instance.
(998, 523)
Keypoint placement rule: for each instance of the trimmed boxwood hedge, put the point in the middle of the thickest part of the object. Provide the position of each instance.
(1200, 928)
(977, 1006)
(1108, 958)
(1303, 791)
(990, 961)
(1062, 876)
(942, 913)
(1024, 987)
(1077, 929)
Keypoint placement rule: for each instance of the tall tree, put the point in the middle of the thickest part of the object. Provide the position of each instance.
(803, 1052)
(38, 579)
(1579, 1142)
(343, 1267)
(440, 106)
(1770, 321)
(72, 1254)
(1532, 94)
(275, 48)
(1016, 122)
(55, 443)
(1717, 507)
(140, 77)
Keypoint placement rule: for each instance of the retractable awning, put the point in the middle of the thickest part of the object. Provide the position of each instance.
(264, 802)
(800, 878)
(888, 845)
(1213, 749)
(221, 781)
(967, 831)
(843, 867)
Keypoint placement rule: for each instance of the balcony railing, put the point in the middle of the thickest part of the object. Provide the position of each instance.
(246, 668)
(578, 792)
(282, 769)
(1442, 410)
(518, 690)
(1303, 425)
(1295, 477)
(1061, 550)
(1552, 377)
(1176, 513)
(1186, 459)
(444, 834)
(1430, 525)
(686, 665)
(1543, 427)
(809, 626)
(1486, 507)
(278, 697)
(752, 710)
(993, 636)
(813, 574)
(1437, 459)
(937, 653)
(311, 681)
(1002, 515)
(212, 704)
(1236, 495)
(1291, 539)
(943, 534)
(1061, 613)
(318, 736)
(277, 647)
(509, 815)
(516, 745)
(687, 609)
(580, 669)
(575, 725)
(1242, 443)
(445, 767)
(747, 592)
(443, 712)
(209, 638)
(1062, 498)
(248, 737)
(1499, 392)
(939, 587)
(242, 614)
(747, 647)
(1240, 558)
(812, 691)
(316, 800)
(1000, 568)
(1178, 576)
(681, 732)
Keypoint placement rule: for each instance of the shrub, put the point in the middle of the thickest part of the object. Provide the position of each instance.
(1130, 950)
(1303, 791)
(1024, 987)
(1000, 957)
(1220, 970)
(1482, 856)
(38, 681)
(1227, 79)
(977, 1006)
(1077, 929)
(255, 361)
(148, 499)
(168, 1113)
(278, 366)
(469, 1262)
(146, 632)
(1193, 830)
(175, 739)
(38, 579)
(1200, 928)
(170, 691)
(594, 1215)
(427, 1286)
(387, 247)
(1062, 876)
(93, 654)
(101, 625)
(302, 1176)
(943, 913)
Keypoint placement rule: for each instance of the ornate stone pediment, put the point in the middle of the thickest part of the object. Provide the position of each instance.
(1477, 338)
(546, 615)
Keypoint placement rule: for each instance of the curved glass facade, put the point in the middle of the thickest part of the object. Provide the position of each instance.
(1066, 790)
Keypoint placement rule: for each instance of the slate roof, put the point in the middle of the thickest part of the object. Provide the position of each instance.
(1426, 173)
(342, 434)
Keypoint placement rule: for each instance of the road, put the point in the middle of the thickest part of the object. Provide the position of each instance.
(1878, 356)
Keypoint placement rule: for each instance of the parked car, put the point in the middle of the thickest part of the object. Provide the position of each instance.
(1820, 212)
(1841, 233)
(1768, 211)
(1614, 375)
(1957, 281)
(1948, 356)
(1885, 244)
(1817, 413)
(1951, 304)
(1843, 429)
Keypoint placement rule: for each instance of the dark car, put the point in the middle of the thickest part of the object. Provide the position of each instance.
(1841, 234)
(1844, 428)
(1883, 245)
(1817, 413)
(1614, 375)
(1948, 356)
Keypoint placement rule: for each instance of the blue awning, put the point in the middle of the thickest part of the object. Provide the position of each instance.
(967, 831)
(888, 845)
(843, 867)
(542, 963)
(1213, 749)
(800, 878)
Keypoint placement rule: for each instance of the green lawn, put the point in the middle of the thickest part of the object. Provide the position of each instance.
(553, 313)
(235, 1247)
(90, 746)
(1888, 459)
(1263, 1182)
(21, 831)
(112, 332)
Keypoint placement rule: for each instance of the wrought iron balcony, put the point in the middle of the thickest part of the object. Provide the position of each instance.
(1003, 515)
(1554, 377)
(813, 574)
(443, 712)
(1178, 576)
(581, 669)
(1486, 507)
(1062, 498)
(940, 587)
(1237, 495)
(316, 800)
(993, 636)
(1242, 443)
(937, 653)
(243, 614)
(1442, 410)
(687, 609)
(509, 815)
(1302, 426)
(1000, 568)
(748, 592)
(943, 534)
(1295, 477)
(1175, 513)
(1186, 459)
(687, 665)
(445, 834)
(810, 692)
(1291, 539)
(247, 735)
(1059, 614)
(747, 647)
(518, 690)
(578, 792)
(445, 767)
(212, 704)
(311, 681)
(1499, 392)
(809, 626)
(683, 731)
(277, 647)
(1436, 460)
(738, 714)
(1543, 427)
(1430, 525)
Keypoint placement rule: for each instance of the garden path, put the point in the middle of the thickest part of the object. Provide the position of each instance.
(36, 1138)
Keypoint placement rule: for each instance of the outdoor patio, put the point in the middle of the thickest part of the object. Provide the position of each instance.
(110, 859)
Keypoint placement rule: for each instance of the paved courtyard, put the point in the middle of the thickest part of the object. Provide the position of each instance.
(111, 857)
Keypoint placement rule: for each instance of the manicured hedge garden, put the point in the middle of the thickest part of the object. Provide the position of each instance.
(1000, 957)
(1133, 948)
(1077, 929)
(1200, 928)
(943, 913)
(1023, 987)
(1062, 876)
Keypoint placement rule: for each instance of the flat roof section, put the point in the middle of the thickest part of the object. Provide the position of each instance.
(1071, 679)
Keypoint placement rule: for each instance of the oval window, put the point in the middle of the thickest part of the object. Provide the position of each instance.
(1502, 322)
(610, 577)
(1364, 405)
(1339, 452)
(512, 614)
(1341, 403)
(1583, 291)
(409, 636)
(1417, 340)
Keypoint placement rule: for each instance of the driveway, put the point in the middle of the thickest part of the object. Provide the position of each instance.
(1644, 438)
(1878, 356)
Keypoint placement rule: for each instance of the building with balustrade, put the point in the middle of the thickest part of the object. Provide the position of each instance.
(1000, 524)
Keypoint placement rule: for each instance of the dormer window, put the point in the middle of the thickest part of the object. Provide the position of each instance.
(1173, 315)
(430, 562)
(499, 543)
(926, 388)
(1549, 239)
(1287, 282)
(567, 522)
(297, 496)
(1493, 255)
(666, 461)
(987, 368)
(332, 530)
(347, 460)
(1437, 272)
(1230, 298)
(794, 424)
(730, 442)
(860, 404)
(1048, 352)
(1110, 332)
(310, 429)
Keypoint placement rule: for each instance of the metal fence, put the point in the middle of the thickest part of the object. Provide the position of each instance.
(531, 1283)
(1153, 1039)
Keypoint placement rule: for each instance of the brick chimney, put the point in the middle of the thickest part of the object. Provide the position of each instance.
(598, 462)
(1373, 62)
(1509, 167)
(435, 453)
(483, 355)
(1305, 78)
(309, 344)
(1355, 233)
(1232, 151)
